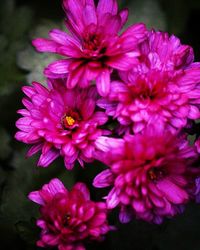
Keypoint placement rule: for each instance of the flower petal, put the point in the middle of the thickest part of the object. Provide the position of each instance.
(112, 199)
(104, 179)
(103, 83)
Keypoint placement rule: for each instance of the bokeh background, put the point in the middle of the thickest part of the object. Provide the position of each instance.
(20, 21)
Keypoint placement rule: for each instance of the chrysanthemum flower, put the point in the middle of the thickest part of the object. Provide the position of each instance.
(94, 46)
(151, 174)
(163, 87)
(69, 218)
(59, 121)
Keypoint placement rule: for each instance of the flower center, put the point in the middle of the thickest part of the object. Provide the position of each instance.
(66, 220)
(69, 120)
(94, 45)
(148, 87)
(91, 42)
(143, 92)
(155, 174)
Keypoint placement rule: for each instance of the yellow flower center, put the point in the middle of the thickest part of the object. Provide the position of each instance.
(69, 120)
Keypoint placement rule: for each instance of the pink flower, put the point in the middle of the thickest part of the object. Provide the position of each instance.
(68, 218)
(164, 86)
(151, 174)
(94, 46)
(62, 122)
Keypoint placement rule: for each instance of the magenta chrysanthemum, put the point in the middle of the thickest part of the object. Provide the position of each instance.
(94, 47)
(151, 174)
(59, 121)
(164, 86)
(68, 218)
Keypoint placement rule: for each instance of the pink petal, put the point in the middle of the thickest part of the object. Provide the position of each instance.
(24, 124)
(172, 192)
(45, 45)
(89, 15)
(134, 35)
(197, 144)
(51, 240)
(29, 91)
(35, 197)
(139, 206)
(89, 213)
(123, 62)
(74, 11)
(40, 89)
(69, 51)
(104, 179)
(52, 75)
(105, 6)
(83, 189)
(28, 104)
(124, 16)
(105, 144)
(70, 160)
(34, 149)
(158, 202)
(41, 224)
(178, 122)
(112, 199)
(103, 83)
(54, 186)
(194, 112)
(87, 108)
(59, 66)
(63, 38)
(48, 158)
(112, 24)
(100, 117)
(23, 112)
(69, 149)
(74, 77)
(98, 220)
(125, 215)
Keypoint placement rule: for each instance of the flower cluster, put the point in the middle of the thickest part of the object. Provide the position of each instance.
(124, 98)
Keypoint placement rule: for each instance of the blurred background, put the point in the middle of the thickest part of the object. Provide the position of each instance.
(21, 21)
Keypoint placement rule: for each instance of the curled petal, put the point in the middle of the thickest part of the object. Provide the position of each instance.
(104, 179)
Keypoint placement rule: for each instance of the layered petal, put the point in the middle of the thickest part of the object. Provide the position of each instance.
(151, 175)
(163, 86)
(59, 121)
(69, 218)
(94, 48)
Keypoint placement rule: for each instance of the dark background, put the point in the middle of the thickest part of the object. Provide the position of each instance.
(20, 21)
